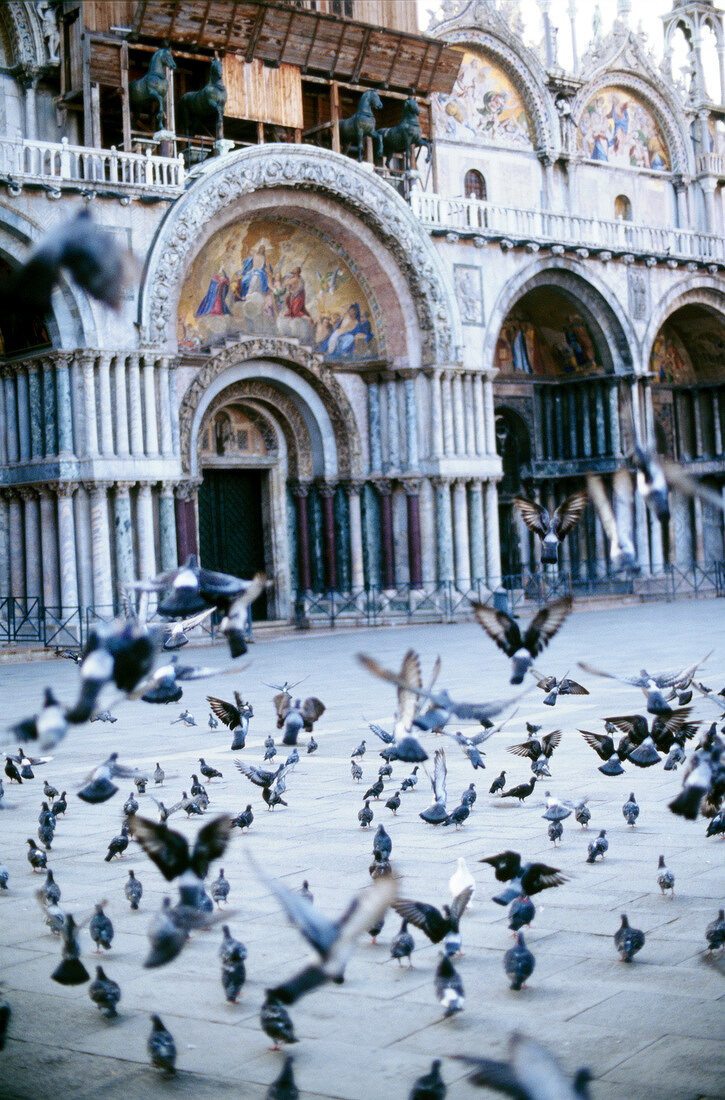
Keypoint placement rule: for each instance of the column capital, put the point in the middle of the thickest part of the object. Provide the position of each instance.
(440, 482)
(145, 486)
(405, 372)
(354, 486)
(167, 488)
(326, 488)
(410, 486)
(187, 490)
(475, 483)
(63, 488)
(96, 487)
(299, 488)
(27, 492)
(32, 366)
(384, 486)
(86, 357)
(122, 488)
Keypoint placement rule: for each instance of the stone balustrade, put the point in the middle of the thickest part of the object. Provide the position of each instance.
(545, 227)
(64, 165)
(711, 164)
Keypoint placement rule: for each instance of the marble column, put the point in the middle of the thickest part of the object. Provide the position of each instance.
(17, 546)
(4, 546)
(82, 507)
(145, 527)
(12, 436)
(411, 423)
(374, 426)
(477, 538)
(493, 540)
(449, 445)
(90, 419)
(353, 490)
(524, 542)
(601, 548)
(657, 550)
(699, 531)
(459, 416)
(49, 405)
(717, 425)
(391, 394)
(559, 420)
(615, 434)
(174, 407)
(35, 407)
(573, 419)
(479, 414)
(387, 554)
(134, 406)
(461, 547)
(104, 395)
(444, 529)
(67, 547)
(300, 490)
(549, 422)
(21, 384)
(119, 385)
(697, 418)
(682, 214)
(103, 601)
(186, 526)
(167, 527)
(642, 532)
(3, 425)
(49, 546)
(329, 565)
(436, 414)
(415, 560)
(426, 500)
(64, 407)
(150, 415)
(469, 414)
(31, 523)
(167, 443)
(123, 530)
(490, 416)
(584, 394)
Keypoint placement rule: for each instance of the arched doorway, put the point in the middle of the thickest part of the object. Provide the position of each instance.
(513, 444)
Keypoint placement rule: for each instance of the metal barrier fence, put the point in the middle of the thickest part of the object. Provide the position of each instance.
(28, 621)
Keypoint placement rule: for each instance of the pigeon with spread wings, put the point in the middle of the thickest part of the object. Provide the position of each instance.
(402, 744)
(651, 683)
(297, 715)
(437, 813)
(616, 517)
(235, 717)
(528, 878)
(172, 855)
(437, 925)
(551, 529)
(333, 940)
(531, 1073)
(554, 688)
(522, 649)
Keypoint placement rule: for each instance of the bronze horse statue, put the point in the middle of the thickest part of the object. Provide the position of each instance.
(353, 131)
(149, 93)
(204, 107)
(405, 136)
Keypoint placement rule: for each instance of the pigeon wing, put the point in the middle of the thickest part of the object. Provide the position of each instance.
(410, 674)
(550, 742)
(282, 703)
(164, 847)
(568, 514)
(312, 709)
(311, 977)
(506, 864)
(537, 1072)
(211, 843)
(601, 743)
(499, 626)
(426, 917)
(571, 687)
(678, 479)
(225, 712)
(258, 776)
(534, 515)
(494, 1075)
(545, 624)
(318, 930)
(458, 906)
(440, 772)
(524, 749)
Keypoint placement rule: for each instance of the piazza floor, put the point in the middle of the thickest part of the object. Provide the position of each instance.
(652, 1029)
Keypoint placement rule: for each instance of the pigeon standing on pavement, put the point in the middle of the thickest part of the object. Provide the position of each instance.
(232, 954)
(430, 1086)
(161, 1047)
(665, 878)
(630, 810)
(518, 962)
(105, 993)
(133, 890)
(598, 847)
(628, 941)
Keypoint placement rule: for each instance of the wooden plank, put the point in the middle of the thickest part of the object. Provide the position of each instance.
(311, 46)
(261, 15)
(335, 115)
(140, 12)
(333, 67)
(257, 92)
(355, 75)
(125, 105)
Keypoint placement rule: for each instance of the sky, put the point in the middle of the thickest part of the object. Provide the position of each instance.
(644, 12)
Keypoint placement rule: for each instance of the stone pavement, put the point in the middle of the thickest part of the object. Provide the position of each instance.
(652, 1029)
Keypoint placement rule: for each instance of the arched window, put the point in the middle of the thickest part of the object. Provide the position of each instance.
(474, 185)
(622, 209)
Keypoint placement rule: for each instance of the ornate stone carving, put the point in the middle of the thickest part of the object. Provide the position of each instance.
(21, 24)
(187, 489)
(223, 187)
(311, 367)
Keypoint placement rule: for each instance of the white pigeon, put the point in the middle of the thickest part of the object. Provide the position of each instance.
(460, 880)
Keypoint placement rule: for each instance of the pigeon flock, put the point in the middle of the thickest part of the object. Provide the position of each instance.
(427, 878)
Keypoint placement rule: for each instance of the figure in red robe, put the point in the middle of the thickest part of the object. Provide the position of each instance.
(295, 300)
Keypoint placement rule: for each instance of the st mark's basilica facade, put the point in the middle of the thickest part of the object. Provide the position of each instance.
(336, 371)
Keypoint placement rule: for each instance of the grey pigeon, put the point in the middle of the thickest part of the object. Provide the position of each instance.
(36, 856)
(220, 888)
(105, 993)
(403, 945)
(161, 1047)
(598, 847)
(365, 815)
(531, 1073)
(101, 929)
(133, 890)
(382, 844)
(232, 954)
(159, 775)
(50, 890)
(356, 771)
(71, 970)
(523, 648)
(498, 784)
(518, 963)
(276, 1022)
(521, 913)
(665, 878)
(628, 941)
(630, 810)
(715, 932)
(552, 529)
(582, 814)
(449, 987)
(60, 806)
(130, 805)
(4, 876)
(284, 1087)
(430, 1086)
(556, 831)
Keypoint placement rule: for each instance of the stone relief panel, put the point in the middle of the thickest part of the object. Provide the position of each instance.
(468, 283)
(616, 127)
(484, 106)
(638, 291)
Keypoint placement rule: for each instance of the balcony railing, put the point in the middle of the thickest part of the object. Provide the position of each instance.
(711, 163)
(470, 216)
(61, 164)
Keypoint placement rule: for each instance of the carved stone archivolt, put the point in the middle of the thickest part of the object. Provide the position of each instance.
(693, 291)
(222, 188)
(310, 367)
(21, 24)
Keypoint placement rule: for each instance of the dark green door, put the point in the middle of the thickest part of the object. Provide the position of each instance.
(230, 525)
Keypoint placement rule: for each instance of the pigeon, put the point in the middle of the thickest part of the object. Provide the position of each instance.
(50, 890)
(297, 715)
(437, 925)
(521, 913)
(49, 791)
(555, 810)
(365, 815)
(234, 715)
(130, 805)
(53, 915)
(616, 518)
(554, 688)
(102, 715)
(715, 932)
(504, 631)
(208, 771)
(498, 784)
(133, 890)
(332, 940)
(375, 791)
(4, 876)
(46, 817)
(46, 831)
(675, 757)
(121, 652)
(665, 878)
(630, 810)
(48, 727)
(60, 806)
(551, 529)
(598, 847)
(430, 1086)
(312, 746)
(582, 814)
(521, 791)
(161, 1047)
(518, 963)
(376, 928)
(245, 818)
(555, 831)
(159, 775)
(36, 856)
(196, 787)
(105, 993)
(645, 755)
(402, 945)
(393, 803)
(12, 772)
(167, 935)
(716, 827)
(651, 683)
(172, 855)
(118, 845)
(276, 1022)
(359, 751)
(535, 749)
(71, 970)
(272, 797)
(186, 717)
(270, 749)
(628, 941)
(284, 1087)
(97, 786)
(189, 590)
(410, 781)
(140, 784)
(212, 722)
(232, 954)
(529, 878)
(704, 775)
(382, 844)
(449, 987)
(469, 796)
(436, 813)
(260, 777)
(220, 888)
(101, 928)
(457, 816)
(461, 880)
(531, 1073)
